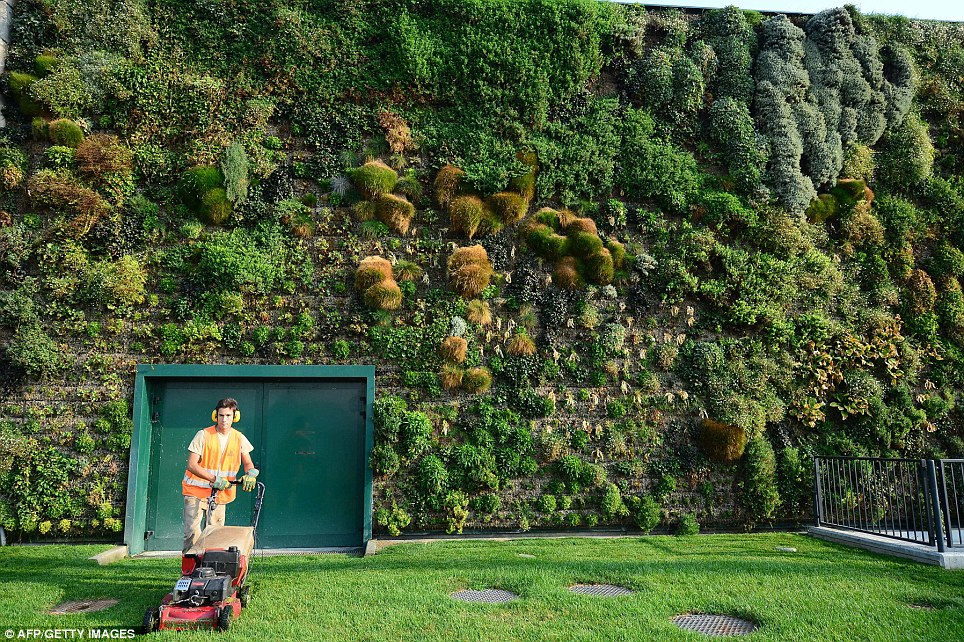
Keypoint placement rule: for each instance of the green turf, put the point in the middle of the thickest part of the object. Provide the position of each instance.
(821, 592)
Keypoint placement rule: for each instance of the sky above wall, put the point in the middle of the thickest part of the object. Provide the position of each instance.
(927, 9)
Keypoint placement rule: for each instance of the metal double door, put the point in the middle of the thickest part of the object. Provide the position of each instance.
(309, 444)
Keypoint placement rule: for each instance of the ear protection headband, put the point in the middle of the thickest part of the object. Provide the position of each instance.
(237, 415)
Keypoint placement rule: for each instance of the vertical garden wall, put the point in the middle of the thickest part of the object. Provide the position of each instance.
(614, 266)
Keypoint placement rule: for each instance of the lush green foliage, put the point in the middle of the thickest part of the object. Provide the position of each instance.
(753, 220)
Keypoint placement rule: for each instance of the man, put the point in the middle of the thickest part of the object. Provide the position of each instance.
(213, 459)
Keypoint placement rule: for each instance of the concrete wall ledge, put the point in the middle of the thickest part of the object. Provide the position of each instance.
(111, 555)
(951, 559)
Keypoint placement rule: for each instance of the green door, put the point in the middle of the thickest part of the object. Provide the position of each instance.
(315, 457)
(179, 410)
(309, 443)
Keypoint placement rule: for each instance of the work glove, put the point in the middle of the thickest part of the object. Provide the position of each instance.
(248, 481)
(219, 483)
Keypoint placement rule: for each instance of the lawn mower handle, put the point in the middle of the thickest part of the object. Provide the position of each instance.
(258, 500)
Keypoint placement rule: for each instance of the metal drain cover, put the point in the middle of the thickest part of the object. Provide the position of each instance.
(82, 606)
(600, 590)
(487, 596)
(714, 625)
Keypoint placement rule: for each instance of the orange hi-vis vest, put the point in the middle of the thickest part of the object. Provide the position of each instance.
(217, 464)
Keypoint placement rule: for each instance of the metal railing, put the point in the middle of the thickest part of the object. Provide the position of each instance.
(913, 500)
(951, 479)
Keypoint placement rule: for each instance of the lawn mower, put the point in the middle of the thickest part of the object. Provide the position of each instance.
(213, 588)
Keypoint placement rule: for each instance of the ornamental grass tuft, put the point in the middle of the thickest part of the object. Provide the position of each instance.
(395, 212)
(374, 178)
(372, 270)
(477, 311)
(385, 295)
(447, 184)
(466, 214)
(454, 349)
(509, 207)
(451, 376)
(521, 345)
(477, 380)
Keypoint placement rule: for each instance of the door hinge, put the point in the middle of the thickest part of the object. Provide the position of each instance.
(148, 534)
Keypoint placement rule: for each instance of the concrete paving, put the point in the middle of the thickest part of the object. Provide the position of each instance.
(952, 558)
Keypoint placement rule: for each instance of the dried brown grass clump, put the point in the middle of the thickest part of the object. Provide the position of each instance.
(469, 271)
(521, 345)
(384, 296)
(372, 270)
(566, 274)
(477, 380)
(451, 376)
(586, 225)
(509, 207)
(398, 134)
(447, 184)
(454, 349)
(395, 212)
(721, 442)
(477, 311)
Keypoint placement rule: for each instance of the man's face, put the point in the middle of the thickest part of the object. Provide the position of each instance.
(225, 418)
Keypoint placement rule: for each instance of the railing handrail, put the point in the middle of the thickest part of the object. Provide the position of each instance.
(912, 461)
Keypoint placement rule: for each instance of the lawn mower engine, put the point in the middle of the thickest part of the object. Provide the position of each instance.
(212, 589)
(209, 595)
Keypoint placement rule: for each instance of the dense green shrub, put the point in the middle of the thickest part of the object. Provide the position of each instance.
(34, 351)
(240, 259)
(234, 168)
(197, 182)
(389, 413)
(687, 525)
(652, 169)
(758, 488)
(905, 156)
(646, 513)
(741, 149)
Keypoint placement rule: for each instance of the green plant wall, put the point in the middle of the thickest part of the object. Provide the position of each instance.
(570, 235)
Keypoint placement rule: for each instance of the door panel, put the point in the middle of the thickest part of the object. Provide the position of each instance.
(182, 409)
(313, 464)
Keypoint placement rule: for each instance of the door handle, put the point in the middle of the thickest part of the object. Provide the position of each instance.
(305, 452)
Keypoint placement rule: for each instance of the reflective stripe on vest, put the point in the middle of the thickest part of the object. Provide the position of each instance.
(213, 462)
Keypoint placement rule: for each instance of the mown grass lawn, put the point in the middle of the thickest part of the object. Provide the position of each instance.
(820, 592)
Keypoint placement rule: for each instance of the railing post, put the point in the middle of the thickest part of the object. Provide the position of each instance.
(817, 493)
(936, 526)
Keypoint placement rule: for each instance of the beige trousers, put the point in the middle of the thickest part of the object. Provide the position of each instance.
(194, 509)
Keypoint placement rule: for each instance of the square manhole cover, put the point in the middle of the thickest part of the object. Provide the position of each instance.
(600, 590)
(714, 625)
(82, 606)
(487, 596)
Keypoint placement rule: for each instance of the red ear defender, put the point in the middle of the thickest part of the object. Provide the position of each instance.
(237, 415)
